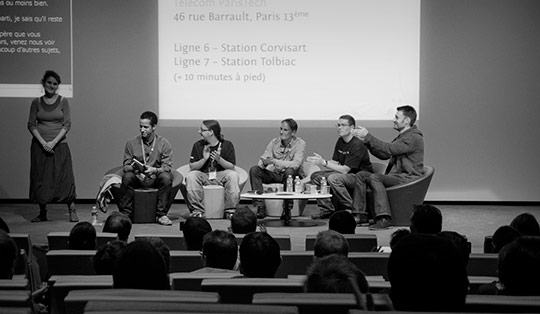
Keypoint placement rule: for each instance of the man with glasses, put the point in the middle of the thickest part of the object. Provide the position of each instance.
(350, 156)
(406, 154)
(282, 158)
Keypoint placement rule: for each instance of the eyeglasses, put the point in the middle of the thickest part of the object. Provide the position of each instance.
(339, 125)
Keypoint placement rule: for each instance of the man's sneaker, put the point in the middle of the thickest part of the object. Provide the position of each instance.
(322, 215)
(197, 213)
(164, 220)
(361, 219)
(380, 224)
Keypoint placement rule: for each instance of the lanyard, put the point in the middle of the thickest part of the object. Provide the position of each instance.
(146, 158)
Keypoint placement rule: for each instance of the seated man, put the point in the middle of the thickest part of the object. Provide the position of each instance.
(118, 223)
(8, 255)
(282, 158)
(195, 228)
(350, 156)
(219, 253)
(503, 236)
(212, 162)
(243, 221)
(106, 257)
(330, 242)
(406, 154)
(147, 164)
(259, 255)
(426, 219)
(518, 267)
(342, 222)
(427, 273)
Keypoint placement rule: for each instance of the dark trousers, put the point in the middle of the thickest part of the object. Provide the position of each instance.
(259, 176)
(378, 184)
(162, 182)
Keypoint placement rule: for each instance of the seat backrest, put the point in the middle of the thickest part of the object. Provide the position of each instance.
(184, 261)
(14, 284)
(169, 307)
(70, 262)
(23, 242)
(173, 242)
(371, 263)
(58, 240)
(294, 263)
(321, 302)
(378, 167)
(60, 286)
(192, 281)
(357, 242)
(502, 304)
(76, 300)
(241, 290)
(481, 264)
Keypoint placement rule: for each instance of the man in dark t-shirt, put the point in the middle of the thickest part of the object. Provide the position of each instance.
(350, 156)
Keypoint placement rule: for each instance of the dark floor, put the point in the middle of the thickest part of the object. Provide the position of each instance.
(474, 221)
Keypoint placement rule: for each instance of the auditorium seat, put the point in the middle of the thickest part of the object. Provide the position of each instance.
(357, 242)
(173, 242)
(23, 242)
(184, 261)
(284, 241)
(70, 262)
(17, 283)
(241, 290)
(192, 281)
(131, 299)
(481, 264)
(19, 299)
(120, 307)
(502, 304)
(314, 303)
(58, 240)
(60, 286)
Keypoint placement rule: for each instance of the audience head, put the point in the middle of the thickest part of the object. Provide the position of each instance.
(3, 226)
(8, 255)
(194, 230)
(335, 274)
(82, 237)
(426, 219)
(162, 249)
(460, 242)
(243, 221)
(519, 266)
(502, 236)
(220, 250)
(526, 224)
(259, 255)
(118, 223)
(343, 222)
(106, 257)
(427, 273)
(397, 236)
(330, 242)
(140, 266)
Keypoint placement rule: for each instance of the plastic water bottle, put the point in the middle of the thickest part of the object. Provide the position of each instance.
(324, 186)
(297, 185)
(94, 213)
(290, 184)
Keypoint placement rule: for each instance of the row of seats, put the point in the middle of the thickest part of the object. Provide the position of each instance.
(357, 242)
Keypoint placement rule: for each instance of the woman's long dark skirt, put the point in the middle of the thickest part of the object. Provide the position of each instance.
(51, 175)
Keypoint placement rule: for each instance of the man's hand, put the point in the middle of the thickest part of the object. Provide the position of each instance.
(316, 159)
(267, 161)
(215, 155)
(150, 170)
(360, 132)
(206, 152)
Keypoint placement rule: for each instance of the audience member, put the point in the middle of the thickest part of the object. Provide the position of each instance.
(118, 223)
(427, 274)
(8, 255)
(426, 219)
(3, 226)
(243, 221)
(330, 242)
(460, 242)
(502, 236)
(219, 252)
(397, 236)
(162, 249)
(106, 257)
(259, 255)
(526, 224)
(519, 266)
(140, 266)
(343, 222)
(194, 230)
(336, 274)
(82, 237)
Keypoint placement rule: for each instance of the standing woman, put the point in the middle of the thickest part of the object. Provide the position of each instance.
(51, 171)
